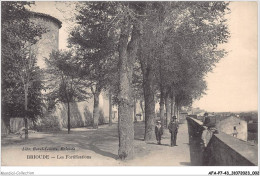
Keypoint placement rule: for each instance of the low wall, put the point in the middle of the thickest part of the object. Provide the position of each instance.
(226, 150)
(4, 129)
(196, 143)
(17, 123)
(208, 149)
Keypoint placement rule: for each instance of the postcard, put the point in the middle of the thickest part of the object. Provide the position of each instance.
(130, 83)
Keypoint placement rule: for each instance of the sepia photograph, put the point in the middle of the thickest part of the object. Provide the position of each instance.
(130, 83)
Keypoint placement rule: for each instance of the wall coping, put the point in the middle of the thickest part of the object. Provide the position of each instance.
(199, 122)
(244, 148)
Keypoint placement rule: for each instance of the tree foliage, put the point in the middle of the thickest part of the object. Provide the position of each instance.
(96, 46)
(180, 46)
(21, 78)
(63, 80)
(163, 48)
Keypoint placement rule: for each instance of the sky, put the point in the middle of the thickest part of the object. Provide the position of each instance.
(233, 84)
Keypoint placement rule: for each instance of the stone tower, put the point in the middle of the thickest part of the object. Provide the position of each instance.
(50, 39)
(48, 42)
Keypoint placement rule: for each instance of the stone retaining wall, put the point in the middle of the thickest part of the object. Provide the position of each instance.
(218, 149)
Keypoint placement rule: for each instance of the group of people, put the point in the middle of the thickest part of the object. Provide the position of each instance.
(173, 129)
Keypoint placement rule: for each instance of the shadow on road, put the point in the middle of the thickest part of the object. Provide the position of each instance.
(154, 143)
(102, 141)
(101, 152)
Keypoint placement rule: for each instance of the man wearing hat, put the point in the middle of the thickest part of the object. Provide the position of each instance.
(173, 129)
(158, 132)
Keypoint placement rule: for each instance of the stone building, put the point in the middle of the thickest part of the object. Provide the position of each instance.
(49, 40)
(233, 126)
(81, 112)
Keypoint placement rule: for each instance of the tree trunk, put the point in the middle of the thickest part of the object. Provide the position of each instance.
(110, 109)
(168, 110)
(68, 117)
(172, 106)
(149, 99)
(142, 108)
(149, 106)
(96, 109)
(177, 112)
(26, 108)
(175, 109)
(162, 107)
(127, 54)
(135, 119)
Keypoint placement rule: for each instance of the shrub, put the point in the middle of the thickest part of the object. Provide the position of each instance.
(101, 119)
(48, 123)
(88, 117)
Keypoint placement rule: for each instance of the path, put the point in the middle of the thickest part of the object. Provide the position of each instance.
(164, 155)
(101, 145)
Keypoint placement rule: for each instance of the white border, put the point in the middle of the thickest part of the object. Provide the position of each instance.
(129, 170)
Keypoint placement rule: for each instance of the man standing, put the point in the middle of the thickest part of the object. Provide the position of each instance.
(158, 132)
(206, 120)
(173, 129)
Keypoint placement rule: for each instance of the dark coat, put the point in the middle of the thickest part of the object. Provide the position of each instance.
(173, 127)
(206, 121)
(158, 131)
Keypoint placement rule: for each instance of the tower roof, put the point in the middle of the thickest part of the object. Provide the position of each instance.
(49, 17)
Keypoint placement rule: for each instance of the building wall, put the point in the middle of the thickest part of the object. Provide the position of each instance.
(4, 128)
(252, 129)
(227, 126)
(17, 123)
(49, 40)
(222, 149)
(80, 111)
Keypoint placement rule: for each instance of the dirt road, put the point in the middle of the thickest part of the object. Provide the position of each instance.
(89, 147)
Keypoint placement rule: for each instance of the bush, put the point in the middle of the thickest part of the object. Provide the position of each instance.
(101, 119)
(48, 123)
(88, 117)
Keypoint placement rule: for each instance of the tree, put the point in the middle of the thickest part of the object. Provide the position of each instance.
(64, 81)
(185, 36)
(111, 91)
(28, 75)
(202, 30)
(175, 43)
(148, 55)
(130, 27)
(117, 20)
(96, 45)
(20, 73)
(137, 86)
